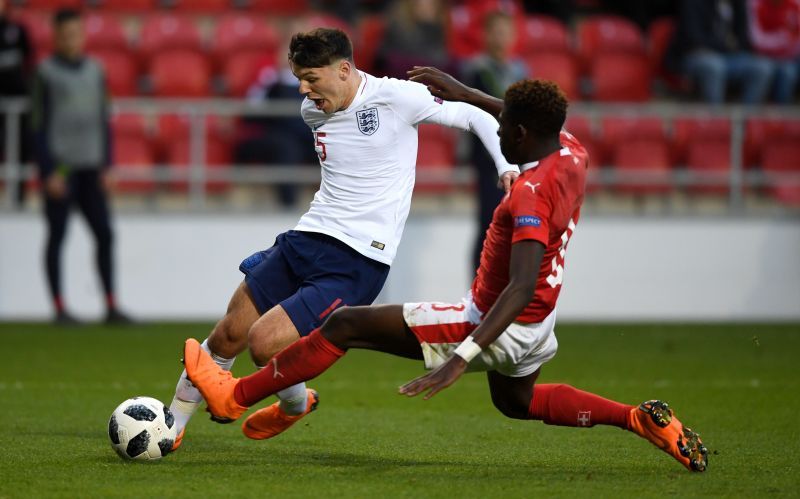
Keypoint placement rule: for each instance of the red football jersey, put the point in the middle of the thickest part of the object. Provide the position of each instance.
(544, 205)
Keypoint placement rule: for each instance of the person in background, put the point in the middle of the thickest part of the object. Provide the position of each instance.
(415, 36)
(711, 46)
(70, 121)
(775, 32)
(491, 72)
(16, 62)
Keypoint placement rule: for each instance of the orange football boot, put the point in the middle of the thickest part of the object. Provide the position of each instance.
(178, 440)
(656, 422)
(214, 383)
(271, 421)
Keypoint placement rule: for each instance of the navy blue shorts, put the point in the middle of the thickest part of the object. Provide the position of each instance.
(310, 275)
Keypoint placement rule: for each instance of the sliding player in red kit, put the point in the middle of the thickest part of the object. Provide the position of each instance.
(505, 324)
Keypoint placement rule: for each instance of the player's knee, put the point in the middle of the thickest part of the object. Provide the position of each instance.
(227, 340)
(341, 328)
(512, 406)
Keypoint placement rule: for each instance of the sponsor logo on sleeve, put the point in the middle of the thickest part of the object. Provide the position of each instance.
(527, 221)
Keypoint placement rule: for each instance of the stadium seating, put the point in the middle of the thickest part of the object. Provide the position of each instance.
(126, 6)
(608, 34)
(121, 71)
(239, 71)
(618, 130)
(619, 77)
(759, 131)
(40, 31)
(133, 154)
(129, 125)
(782, 156)
(370, 34)
(436, 151)
(217, 158)
(165, 31)
(239, 32)
(104, 31)
(710, 157)
(697, 130)
(278, 7)
(559, 67)
(200, 6)
(542, 34)
(53, 4)
(180, 73)
(648, 157)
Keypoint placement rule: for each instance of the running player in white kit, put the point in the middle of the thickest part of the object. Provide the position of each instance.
(365, 134)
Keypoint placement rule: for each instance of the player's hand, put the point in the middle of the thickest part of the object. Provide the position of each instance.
(55, 186)
(436, 380)
(107, 181)
(439, 83)
(507, 179)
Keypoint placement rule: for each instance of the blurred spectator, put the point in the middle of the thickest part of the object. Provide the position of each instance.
(711, 46)
(416, 35)
(16, 61)
(70, 120)
(491, 72)
(277, 140)
(775, 32)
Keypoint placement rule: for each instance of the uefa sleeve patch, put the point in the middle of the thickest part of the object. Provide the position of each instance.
(527, 221)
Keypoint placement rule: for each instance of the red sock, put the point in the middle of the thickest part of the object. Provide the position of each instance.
(564, 405)
(111, 302)
(58, 303)
(301, 361)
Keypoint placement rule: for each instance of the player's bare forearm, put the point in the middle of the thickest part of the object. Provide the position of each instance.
(526, 258)
(445, 86)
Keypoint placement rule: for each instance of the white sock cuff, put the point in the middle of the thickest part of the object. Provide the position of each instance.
(221, 361)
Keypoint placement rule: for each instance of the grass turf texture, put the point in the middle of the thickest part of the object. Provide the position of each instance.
(736, 385)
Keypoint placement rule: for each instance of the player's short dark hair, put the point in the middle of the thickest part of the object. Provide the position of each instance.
(538, 105)
(65, 15)
(320, 47)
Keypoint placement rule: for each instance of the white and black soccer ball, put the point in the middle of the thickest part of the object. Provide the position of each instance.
(142, 428)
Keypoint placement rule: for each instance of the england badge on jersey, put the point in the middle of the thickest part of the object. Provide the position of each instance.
(368, 122)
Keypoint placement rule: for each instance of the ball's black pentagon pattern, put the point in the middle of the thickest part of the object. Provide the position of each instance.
(168, 417)
(113, 430)
(138, 444)
(140, 413)
(166, 446)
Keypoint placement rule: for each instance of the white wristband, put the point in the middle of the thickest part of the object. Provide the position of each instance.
(468, 349)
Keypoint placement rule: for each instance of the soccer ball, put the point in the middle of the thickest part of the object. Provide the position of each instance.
(142, 428)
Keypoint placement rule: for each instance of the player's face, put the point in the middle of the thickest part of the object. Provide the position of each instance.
(69, 38)
(509, 139)
(326, 86)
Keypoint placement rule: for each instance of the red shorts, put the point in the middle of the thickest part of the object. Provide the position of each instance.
(441, 327)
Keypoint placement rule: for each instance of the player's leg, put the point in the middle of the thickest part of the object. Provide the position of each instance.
(92, 202)
(380, 328)
(564, 405)
(227, 340)
(57, 214)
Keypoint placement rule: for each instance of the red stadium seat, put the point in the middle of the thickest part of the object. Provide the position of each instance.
(133, 155)
(620, 77)
(104, 32)
(659, 36)
(217, 158)
(40, 31)
(180, 73)
(237, 33)
(120, 69)
(542, 34)
(642, 157)
(165, 31)
(127, 6)
(617, 131)
(559, 67)
(53, 4)
(761, 130)
(201, 6)
(177, 128)
(710, 157)
(464, 33)
(581, 128)
(279, 7)
(782, 156)
(436, 153)
(370, 35)
(319, 20)
(608, 34)
(128, 125)
(690, 130)
(241, 70)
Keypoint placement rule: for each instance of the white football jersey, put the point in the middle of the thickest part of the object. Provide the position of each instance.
(368, 154)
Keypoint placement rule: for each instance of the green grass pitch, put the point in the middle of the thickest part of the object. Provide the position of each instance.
(738, 385)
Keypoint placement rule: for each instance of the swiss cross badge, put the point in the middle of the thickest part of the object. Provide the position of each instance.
(584, 418)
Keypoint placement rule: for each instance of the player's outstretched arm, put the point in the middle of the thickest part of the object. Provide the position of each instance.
(444, 86)
(526, 259)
